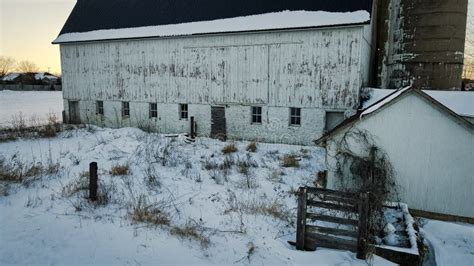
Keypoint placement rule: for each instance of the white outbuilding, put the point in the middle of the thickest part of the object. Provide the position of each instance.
(430, 144)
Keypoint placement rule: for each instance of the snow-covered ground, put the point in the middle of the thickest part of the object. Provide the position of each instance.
(33, 106)
(453, 243)
(238, 208)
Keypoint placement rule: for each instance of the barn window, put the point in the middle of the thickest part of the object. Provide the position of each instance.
(295, 116)
(333, 119)
(183, 111)
(256, 115)
(100, 108)
(153, 110)
(125, 109)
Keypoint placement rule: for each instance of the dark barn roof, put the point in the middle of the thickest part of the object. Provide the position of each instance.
(91, 15)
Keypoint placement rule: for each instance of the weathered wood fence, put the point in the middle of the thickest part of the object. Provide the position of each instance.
(332, 219)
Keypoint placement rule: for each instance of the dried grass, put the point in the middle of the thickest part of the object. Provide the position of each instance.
(193, 232)
(231, 148)
(119, 170)
(290, 160)
(252, 147)
(149, 215)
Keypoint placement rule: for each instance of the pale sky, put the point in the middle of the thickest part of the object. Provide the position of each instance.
(27, 28)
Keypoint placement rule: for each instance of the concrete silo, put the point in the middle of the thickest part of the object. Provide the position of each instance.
(420, 42)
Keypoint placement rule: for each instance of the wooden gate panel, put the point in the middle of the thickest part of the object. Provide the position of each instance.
(348, 233)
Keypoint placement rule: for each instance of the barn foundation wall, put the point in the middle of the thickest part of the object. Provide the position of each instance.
(275, 127)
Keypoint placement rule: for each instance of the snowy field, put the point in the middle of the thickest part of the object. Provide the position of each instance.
(179, 203)
(33, 106)
(453, 243)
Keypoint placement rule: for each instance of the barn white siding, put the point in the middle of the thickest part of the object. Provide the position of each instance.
(432, 154)
(317, 70)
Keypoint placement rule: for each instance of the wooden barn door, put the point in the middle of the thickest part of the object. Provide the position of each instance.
(74, 117)
(218, 123)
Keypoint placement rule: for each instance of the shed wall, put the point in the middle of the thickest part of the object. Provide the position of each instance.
(431, 153)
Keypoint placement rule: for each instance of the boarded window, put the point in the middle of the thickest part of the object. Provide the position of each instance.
(183, 111)
(153, 110)
(333, 119)
(100, 108)
(256, 115)
(295, 116)
(125, 109)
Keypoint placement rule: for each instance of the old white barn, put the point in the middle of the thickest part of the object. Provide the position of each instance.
(273, 71)
(429, 141)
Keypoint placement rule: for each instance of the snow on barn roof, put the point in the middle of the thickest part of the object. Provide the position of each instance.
(460, 102)
(280, 20)
(93, 20)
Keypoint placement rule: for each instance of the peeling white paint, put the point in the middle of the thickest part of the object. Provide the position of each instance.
(318, 70)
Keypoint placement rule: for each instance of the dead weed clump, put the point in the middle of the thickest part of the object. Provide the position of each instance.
(119, 170)
(231, 148)
(76, 186)
(252, 147)
(148, 214)
(273, 208)
(19, 171)
(290, 160)
(193, 232)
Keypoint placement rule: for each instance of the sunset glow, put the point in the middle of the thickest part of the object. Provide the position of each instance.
(27, 28)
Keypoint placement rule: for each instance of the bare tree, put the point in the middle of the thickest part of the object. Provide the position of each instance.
(27, 66)
(7, 64)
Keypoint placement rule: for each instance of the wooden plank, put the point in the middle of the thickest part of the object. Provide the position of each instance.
(345, 200)
(399, 257)
(442, 217)
(319, 240)
(325, 191)
(331, 231)
(332, 206)
(301, 219)
(331, 219)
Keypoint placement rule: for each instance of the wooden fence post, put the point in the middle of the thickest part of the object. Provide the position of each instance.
(301, 219)
(193, 129)
(93, 181)
(362, 239)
